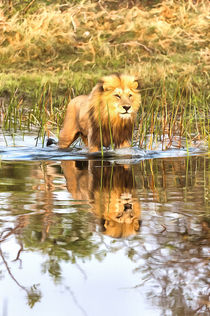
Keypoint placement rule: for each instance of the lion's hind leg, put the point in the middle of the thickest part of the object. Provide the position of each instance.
(70, 131)
(65, 140)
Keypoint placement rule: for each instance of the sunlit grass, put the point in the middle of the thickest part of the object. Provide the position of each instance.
(86, 35)
(49, 54)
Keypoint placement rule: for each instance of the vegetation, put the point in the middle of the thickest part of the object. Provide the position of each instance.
(52, 52)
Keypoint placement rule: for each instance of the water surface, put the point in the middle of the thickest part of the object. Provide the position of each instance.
(127, 235)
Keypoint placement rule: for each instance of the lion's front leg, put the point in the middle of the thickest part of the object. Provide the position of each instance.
(93, 149)
(92, 146)
(124, 144)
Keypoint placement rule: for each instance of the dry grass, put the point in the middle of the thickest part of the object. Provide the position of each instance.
(171, 36)
(61, 50)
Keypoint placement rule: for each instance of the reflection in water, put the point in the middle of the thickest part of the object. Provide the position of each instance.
(165, 259)
(111, 192)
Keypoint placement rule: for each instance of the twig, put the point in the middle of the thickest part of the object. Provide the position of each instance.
(28, 6)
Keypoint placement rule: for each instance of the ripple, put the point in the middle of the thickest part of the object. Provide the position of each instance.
(124, 155)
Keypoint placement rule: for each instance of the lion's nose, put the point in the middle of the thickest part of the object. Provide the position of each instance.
(126, 107)
(127, 206)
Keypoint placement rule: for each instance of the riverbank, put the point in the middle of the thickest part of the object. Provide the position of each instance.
(50, 53)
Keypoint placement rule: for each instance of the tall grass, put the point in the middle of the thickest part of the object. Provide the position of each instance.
(45, 116)
(173, 118)
(164, 117)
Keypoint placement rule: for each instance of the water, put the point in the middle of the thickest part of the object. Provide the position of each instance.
(128, 235)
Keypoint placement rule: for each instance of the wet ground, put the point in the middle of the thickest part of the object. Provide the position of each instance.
(126, 235)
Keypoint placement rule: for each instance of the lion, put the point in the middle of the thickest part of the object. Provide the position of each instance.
(104, 117)
(110, 191)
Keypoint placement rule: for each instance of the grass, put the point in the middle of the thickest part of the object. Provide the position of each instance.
(51, 53)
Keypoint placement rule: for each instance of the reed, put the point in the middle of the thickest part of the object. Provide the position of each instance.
(110, 129)
(163, 116)
(100, 129)
(173, 118)
(44, 115)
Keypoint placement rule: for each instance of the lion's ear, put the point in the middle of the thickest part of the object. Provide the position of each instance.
(104, 86)
(136, 84)
(107, 87)
(110, 82)
(101, 86)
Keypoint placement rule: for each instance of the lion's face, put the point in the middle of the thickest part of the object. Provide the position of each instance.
(122, 103)
(119, 98)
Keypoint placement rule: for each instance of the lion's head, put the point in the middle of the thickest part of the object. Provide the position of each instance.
(118, 97)
(114, 103)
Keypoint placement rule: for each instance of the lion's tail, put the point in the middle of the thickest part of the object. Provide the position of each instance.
(51, 141)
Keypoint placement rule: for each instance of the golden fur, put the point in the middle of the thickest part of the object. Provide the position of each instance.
(107, 113)
(110, 191)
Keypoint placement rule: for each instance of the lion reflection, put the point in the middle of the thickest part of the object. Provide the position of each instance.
(110, 191)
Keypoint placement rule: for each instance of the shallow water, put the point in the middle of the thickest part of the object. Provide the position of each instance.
(27, 147)
(128, 235)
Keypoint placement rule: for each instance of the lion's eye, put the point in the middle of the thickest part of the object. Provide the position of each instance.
(117, 96)
(130, 95)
